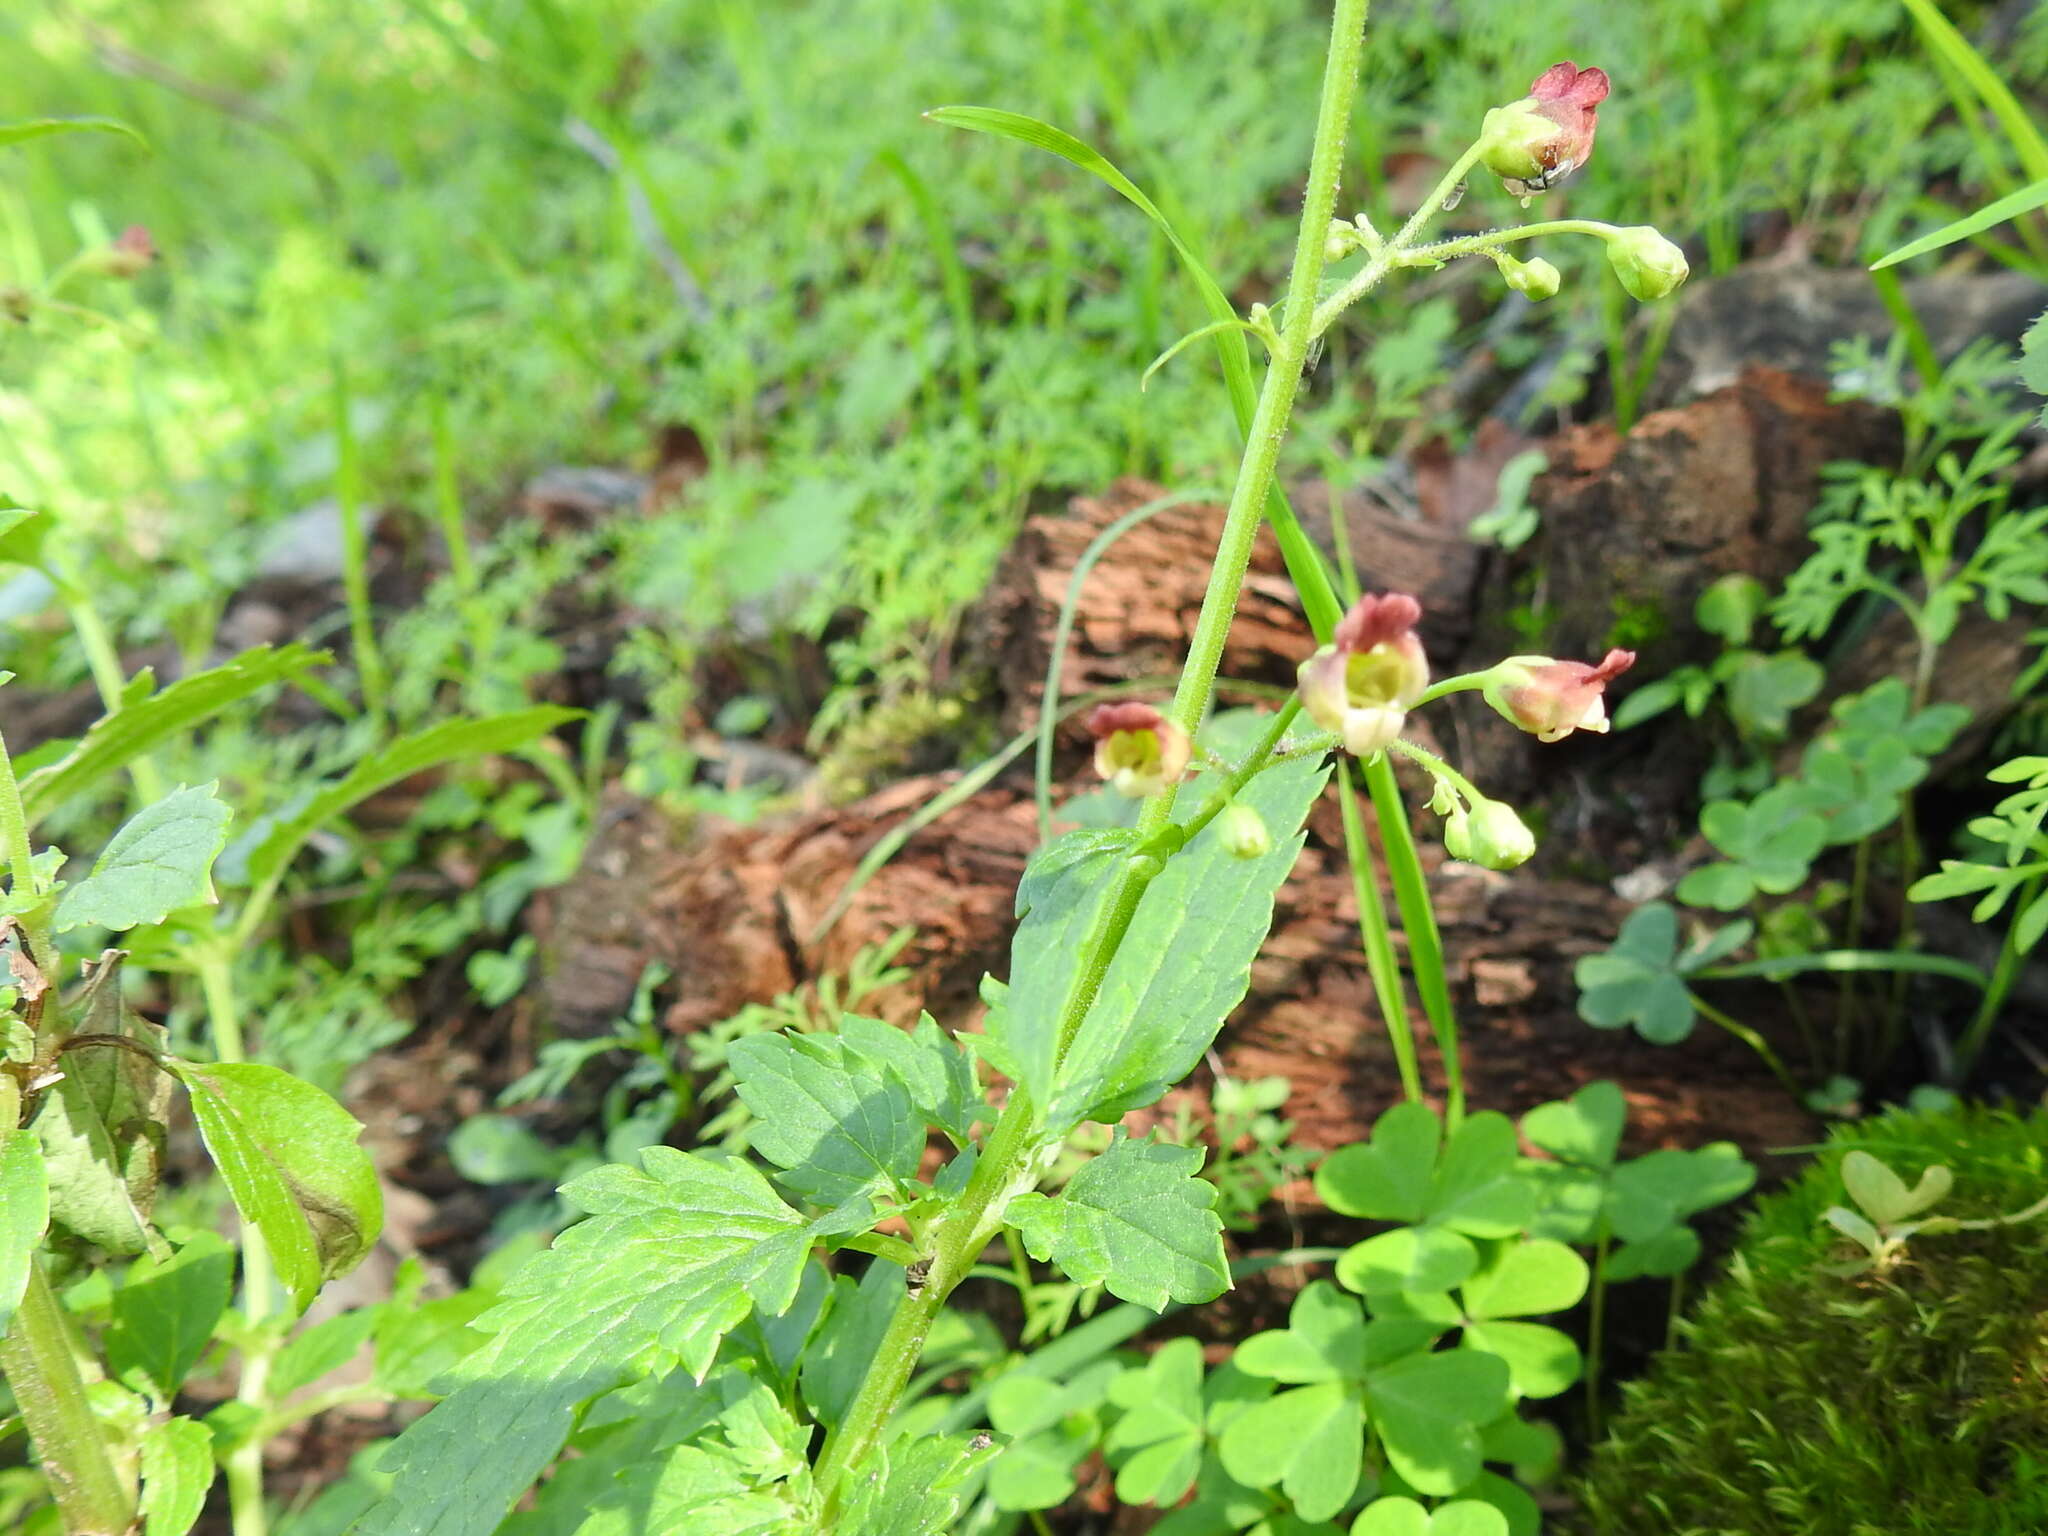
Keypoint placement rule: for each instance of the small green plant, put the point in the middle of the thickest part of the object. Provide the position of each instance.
(2012, 833)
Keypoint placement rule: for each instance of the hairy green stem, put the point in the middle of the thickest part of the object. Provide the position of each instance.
(244, 1464)
(1391, 254)
(40, 1361)
(1005, 1164)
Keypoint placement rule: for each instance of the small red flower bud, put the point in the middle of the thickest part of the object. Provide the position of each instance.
(1551, 698)
(1137, 749)
(131, 252)
(1361, 684)
(1534, 143)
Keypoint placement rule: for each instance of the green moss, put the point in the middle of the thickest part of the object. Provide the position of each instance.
(1811, 1404)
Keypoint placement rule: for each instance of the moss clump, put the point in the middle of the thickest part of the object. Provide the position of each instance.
(1908, 1403)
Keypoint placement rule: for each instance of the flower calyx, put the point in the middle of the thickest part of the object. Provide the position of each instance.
(1648, 265)
(1138, 750)
(1363, 682)
(1535, 279)
(1491, 834)
(1243, 831)
(1550, 698)
(1534, 143)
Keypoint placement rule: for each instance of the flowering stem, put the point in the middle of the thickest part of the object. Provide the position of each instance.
(1391, 254)
(1439, 769)
(1464, 682)
(1491, 240)
(1006, 1162)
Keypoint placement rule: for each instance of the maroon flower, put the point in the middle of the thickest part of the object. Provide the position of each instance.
(1549, 698)
(1534, 143)
(1361, 684)
(1137, 749)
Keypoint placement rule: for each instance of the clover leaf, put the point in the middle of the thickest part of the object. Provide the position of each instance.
(1764, 690)
(1448, 1192)
(1053, 1427)
(1885, 711)
(1641, 980)
(1770, 844)
(1161, 1426)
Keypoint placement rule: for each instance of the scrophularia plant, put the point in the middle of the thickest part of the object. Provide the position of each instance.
(1133, 945)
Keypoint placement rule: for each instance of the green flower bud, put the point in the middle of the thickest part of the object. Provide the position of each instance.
(1538, 279)
(1491, 835)
(1243, 831)
(1648, 265)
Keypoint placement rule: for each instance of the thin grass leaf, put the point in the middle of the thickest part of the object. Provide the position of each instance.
(1990, 216)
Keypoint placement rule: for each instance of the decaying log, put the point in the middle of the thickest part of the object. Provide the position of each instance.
(731, 914)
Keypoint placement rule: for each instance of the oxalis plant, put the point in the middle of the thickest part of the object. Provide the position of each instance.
(700, 1340)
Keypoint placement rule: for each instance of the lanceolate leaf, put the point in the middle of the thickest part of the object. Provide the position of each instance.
(449, 742)
(1061, 899)
(289, 1156)
(837, 1124)
(142, 727)
(1186, 961)
(24, 1214)
(45, 127)
(1135, 1219)
(160, 860)
(670, 1261)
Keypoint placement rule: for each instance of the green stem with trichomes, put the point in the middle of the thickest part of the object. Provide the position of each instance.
(244, 1464)
(1007, 1161)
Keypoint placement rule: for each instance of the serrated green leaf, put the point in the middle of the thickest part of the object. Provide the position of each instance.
(163, 1316)
(177, 1471)
(1069, 883)
(24, 1214)
(288, 1154)
(102, 1126)
(835, 1122)
(1429, 1410)
(160, 860)
(930, 1064)
(140, 728)
(449, 742)
(671, 1259)
(911, 1487)
(1308, 1441)
(1185, 962)
(839, 1355)
(1135, 1219)
(325, 1347)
